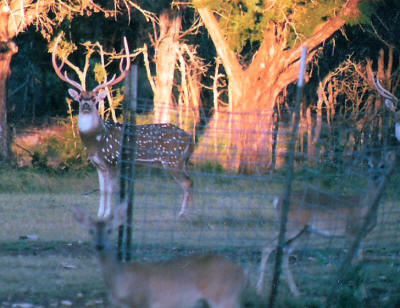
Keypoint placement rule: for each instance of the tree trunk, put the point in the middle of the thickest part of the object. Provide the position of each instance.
(7, 50)
(166, 57)
(253, 92)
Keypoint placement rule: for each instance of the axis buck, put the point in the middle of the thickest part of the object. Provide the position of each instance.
(391, 102)
(161, 144)
(193, 281)
(313, 211)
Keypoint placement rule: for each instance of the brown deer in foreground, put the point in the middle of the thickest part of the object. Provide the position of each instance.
(313, 211)
(162, 144)
(391, 102)
(193, 281)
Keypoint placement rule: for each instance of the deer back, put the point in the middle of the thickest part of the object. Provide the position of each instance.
(190, 279)
(320, 212)
(332, 214)
(162, 143)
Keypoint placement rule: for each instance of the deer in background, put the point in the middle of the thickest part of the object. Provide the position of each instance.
(210, 281)
(391, 102)
(161, 144)
(313, 211)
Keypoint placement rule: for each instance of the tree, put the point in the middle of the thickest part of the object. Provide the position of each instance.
(176, 81)
(45, 15)
(166, 52)
(280, 29)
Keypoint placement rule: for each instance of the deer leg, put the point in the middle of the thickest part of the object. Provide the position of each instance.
(102, 186)
(359, 255)
(287, 272)
(112, 188)
(293, 236)
(264, 259)
(183, 179)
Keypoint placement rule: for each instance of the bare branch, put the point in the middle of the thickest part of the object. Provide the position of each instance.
(64, 76)
(147, 66)
(124, 71)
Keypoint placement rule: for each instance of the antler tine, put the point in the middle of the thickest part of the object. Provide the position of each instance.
(57, 69)
(382, 91)
(124, 72)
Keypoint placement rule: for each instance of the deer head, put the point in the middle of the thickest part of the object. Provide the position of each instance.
(102, 228)
(88, 100)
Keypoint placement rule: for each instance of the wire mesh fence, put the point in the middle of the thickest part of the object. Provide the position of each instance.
(237, 213)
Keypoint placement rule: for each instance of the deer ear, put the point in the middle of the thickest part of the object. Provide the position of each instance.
(101, 96)
(390, 156)
(390, 105)
(81, 216)
(74, 94)
(369, 155)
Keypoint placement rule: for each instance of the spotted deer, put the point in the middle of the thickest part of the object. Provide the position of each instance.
(314, 211)
(161, 144)
(391, 102)
(191, 281)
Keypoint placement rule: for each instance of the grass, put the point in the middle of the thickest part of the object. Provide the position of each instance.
(45, 257)
(53, 281)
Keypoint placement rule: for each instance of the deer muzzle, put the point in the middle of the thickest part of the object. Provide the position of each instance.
(99, 247)
(86, 107)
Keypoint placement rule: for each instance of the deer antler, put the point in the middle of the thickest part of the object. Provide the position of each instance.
(82, 75)
(57, 69)
(390, 99)
(124, 72)
(382, 91)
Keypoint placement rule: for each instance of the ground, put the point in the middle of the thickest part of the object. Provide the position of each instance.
(46, 259)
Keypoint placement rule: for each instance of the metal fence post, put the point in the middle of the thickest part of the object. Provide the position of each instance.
(128, 153)
(289, 179)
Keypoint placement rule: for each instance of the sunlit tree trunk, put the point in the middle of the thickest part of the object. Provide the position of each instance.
(254, 90)
(166, 50)
(7, 49)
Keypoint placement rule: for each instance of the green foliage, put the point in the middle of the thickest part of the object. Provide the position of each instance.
(61, 151)
(348, 292)
(99, 73)
(308, 15)
(244, 21)
(212, 167)
(367, 10)
(64, 47)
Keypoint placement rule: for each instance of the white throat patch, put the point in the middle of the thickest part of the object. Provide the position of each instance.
(397, 131)
(87, 122)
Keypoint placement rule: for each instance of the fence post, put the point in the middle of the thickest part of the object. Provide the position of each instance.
(289, 179)
(127, 163)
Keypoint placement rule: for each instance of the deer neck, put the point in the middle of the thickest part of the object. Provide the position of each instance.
(373, 193)
(89, 123)
(91, 129)
(109, 264)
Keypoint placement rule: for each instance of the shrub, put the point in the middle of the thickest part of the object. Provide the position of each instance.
(54, 148)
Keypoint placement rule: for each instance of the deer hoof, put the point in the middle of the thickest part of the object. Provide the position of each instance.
(182, 215)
